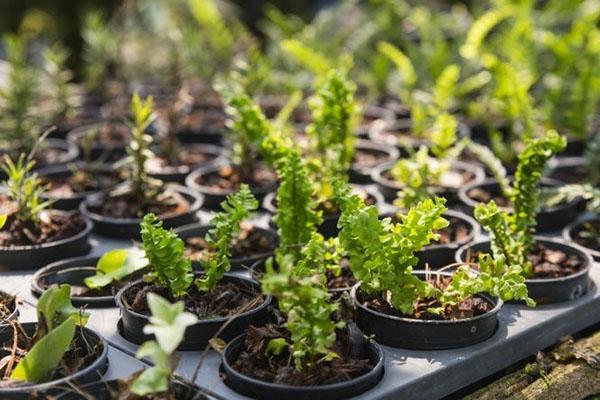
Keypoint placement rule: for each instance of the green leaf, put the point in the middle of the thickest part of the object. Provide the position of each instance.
(311, 59)
(54, 307)
(44, 356)
(402, 62)
(154, 379)
(168, 322)
(115, 265)
(3, 218)
(276, 346)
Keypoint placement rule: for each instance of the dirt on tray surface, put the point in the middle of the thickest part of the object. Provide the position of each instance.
(254, 362)
(229, 178)
(468, 308)
(166, 204)
(249, 242)
(53, 225)
(554, 263)
(225, 300)
(82, 181)
(79, 356)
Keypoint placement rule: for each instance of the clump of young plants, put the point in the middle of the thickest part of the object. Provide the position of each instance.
(168, 324)
(55, 335)
(236, 208)
(382, 257)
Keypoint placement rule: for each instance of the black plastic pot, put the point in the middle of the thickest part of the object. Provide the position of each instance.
(410, 333)
(372, 113)
(438, 255)
(204, 133)
(177, 174)
(390, 188)
(33, 257)
(570, 233)
(546, 291)
(72, 271)
(214, 196)
(258, 389)
(64, 171)
(105, 389)
(362, 175)
(106, 151)
(569, 169)
(237, 264)
(129, 228)
(548, 219)
(328, 227)
(91, 373)
(197, 336)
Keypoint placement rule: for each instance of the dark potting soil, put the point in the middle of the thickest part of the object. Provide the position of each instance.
(451, 179)
(82, 181)
(588, 235)
(53, 225)
(550, 263)
(456, 231)
(248, 242)
(468, 308)
(108, 134)
(230, 178)
(344, 280)
(225, 300)
(483, 196)
(79, 356)
(201, 119)
(127, 206)
(7, 305)
(254, 362)
(572, 174)
(365, 158)
(189, 155)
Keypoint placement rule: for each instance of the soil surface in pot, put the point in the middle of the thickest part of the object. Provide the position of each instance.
(588, 235)
(451, 179)
(248, 242)
(481, 195)
(225, 300)
(7, 305)
(79, 356)
(468, 308)
(181, 156)
(368, 158)
(201, 119)
(229, 178)
(53, 225)
(254, 362)
(344, 280)
(81, 181)
(107, 134)
(572, 174)
(127, 206)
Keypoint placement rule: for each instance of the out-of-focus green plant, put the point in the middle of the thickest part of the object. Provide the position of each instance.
(101, 52)
(59, 78)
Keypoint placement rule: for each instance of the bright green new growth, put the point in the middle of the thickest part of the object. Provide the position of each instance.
(306, 302)
(236, 208)
(24, 188)
(165, 253)
(57, 321)
(331, 133)
(3, 218)
(381, 253)
(115, 265)
(101, 50)
(19, 123)
(296, 216)
(143, 187)
(168, 324)
(418, 174)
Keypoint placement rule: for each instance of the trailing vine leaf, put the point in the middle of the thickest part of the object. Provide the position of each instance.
(165, 251)
(168, 324)
(236, 208)
(115, 265)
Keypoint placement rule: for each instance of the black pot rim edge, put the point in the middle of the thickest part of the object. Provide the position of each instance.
(566, 234)
(86, 230)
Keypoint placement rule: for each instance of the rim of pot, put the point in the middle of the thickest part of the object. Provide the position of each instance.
(190, 180)
(207, 148)
(64, 168)
(71, 149)
(377, 175)
(194, 206)
(267, 299)
(74, 134)
(588, 261)
(377, 369)
(475, 229)
(93, 367)
(549, 182)
(497, 302)
(391, 153)
(406, 124)
(84, 232)
(567, 233)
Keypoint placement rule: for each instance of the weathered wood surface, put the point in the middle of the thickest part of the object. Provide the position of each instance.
(571, 371)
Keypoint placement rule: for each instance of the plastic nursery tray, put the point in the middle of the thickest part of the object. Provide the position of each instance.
(408, 373)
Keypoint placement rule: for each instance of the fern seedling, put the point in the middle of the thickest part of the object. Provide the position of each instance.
(236, 208)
